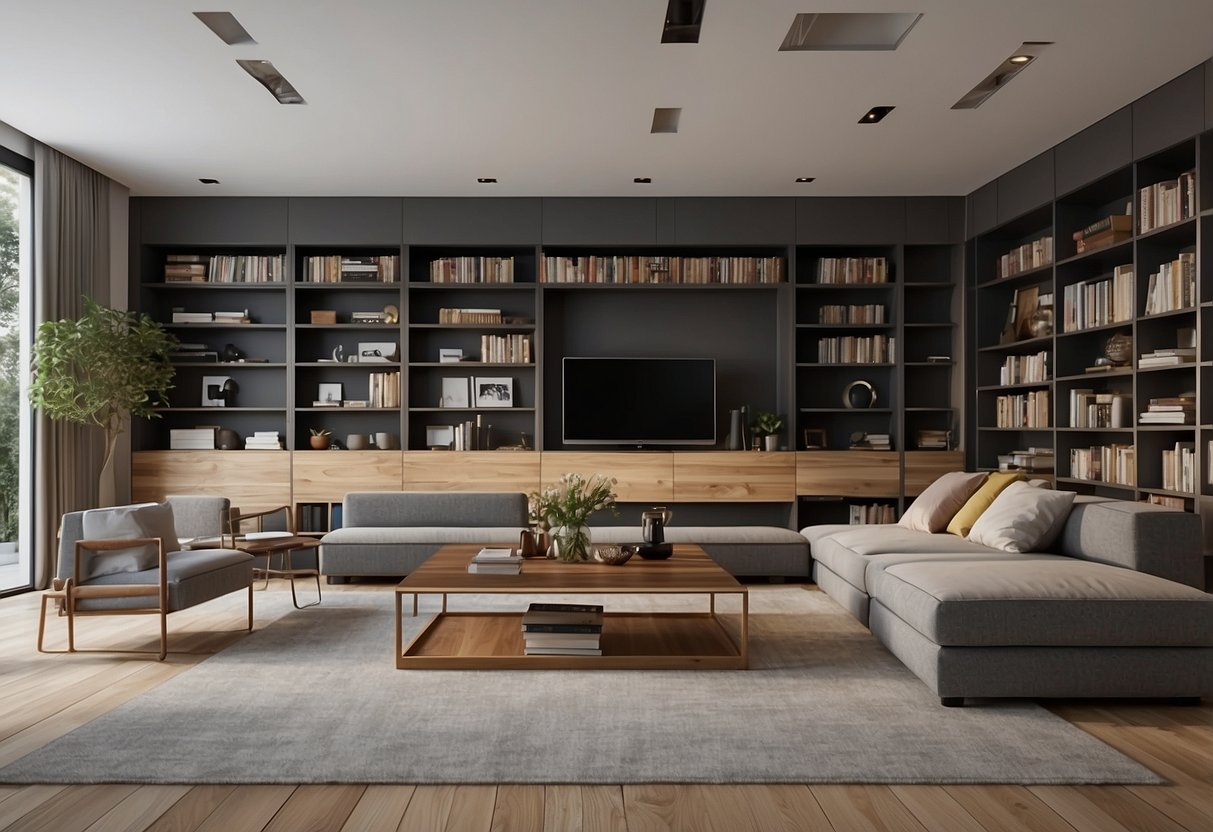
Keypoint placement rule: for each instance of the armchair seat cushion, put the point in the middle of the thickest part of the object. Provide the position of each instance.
(193, 577)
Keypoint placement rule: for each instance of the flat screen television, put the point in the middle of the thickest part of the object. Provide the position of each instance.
(639, 401)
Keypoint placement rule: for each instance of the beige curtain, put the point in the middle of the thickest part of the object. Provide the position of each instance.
(71, 260)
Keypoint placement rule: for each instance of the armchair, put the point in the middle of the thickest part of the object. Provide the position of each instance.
(127, 560)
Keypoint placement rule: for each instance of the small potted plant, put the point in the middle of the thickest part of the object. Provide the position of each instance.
(566, 509)
(319, 439)
(767, 425)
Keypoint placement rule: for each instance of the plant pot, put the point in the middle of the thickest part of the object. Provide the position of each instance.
(318, 443)
(770, 442)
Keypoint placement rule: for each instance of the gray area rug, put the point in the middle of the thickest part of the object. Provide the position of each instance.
(314, 697)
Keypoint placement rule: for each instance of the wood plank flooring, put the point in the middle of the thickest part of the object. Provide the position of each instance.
(45, 696)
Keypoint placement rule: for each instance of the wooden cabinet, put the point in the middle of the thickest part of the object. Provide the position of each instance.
(848, 473)
(327, 476)
(252, 480)
(734, 476)
(471, 471)
(642, 477)
(924, 467)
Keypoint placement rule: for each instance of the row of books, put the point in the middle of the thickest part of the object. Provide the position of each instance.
(472, 270)
(853, 349)
(1022, 410)
(1024, 369)
(1104, 232)
(383, 389)
(865, 313)
(1028, 256)
(1030, 459)
(495, 561)
(637, 269)
(1167, 357)
(1179, 467)
(1169, 410)
(1114, 463)
(469, 316)
(1173, 286)
(1166, 202)
(318, 517)
(562, 629)
(223, 268)
(1091, 409)
(506, 349)
(863, 515)
(930, 439)
(835, 270)
(873, 442)
(180, 316)
(1099, 302)
(337, 268)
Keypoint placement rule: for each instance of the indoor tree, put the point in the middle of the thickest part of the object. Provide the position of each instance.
(100, 369)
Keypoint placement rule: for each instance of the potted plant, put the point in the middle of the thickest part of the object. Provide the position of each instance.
(99, 370)
(567, 507)
(767, 425)
(319, 440)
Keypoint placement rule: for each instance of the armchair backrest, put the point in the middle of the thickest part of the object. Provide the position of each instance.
(199, 515)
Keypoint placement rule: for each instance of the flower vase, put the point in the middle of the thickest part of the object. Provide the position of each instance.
(572, 543)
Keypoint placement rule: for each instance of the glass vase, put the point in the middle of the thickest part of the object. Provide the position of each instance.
(572, 543)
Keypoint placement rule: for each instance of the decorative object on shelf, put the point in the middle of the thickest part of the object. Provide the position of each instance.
(387, 441)
(1119, 349)
(653, 522)
(367, 318)
(526, 544)
(323, 316)
(566, 508)
(735, 441)
(859, 395)
(231, 354)
(613, 554)
(493, 392)
(339, 353)
(1040, 325)
(767, 425)
(357, 442)
(814, 439)
(439, 437)
(378, 352)
(227, 440)
(319, 440)
(454, 393)
(329, 394)
(391, 314)
(127, 351)
(745, 426)
(219, 391)
(447, 355)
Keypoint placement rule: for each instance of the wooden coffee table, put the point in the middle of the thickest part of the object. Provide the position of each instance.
(630, 640)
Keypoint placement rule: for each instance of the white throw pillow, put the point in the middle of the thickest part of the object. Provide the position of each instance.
(1023, 518)
(935, 507)
(127, 522)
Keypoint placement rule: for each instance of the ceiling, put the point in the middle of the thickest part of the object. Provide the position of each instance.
(556, 97)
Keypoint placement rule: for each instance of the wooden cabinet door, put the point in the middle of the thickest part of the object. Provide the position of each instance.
(327, 476)
(643, 477)
(848, 473)
(924, 467)
(471, 471)
(734, 476)
(252, 480)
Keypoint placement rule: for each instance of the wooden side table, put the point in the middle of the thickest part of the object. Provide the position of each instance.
(281, 545)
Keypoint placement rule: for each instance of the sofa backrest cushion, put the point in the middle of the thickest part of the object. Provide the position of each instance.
(1023, 518)
(980, 501)
(935, 507)
(438, 508)
(126, 522)
(1153, 539)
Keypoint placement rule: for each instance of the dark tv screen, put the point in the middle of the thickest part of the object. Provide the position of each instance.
(639, 401)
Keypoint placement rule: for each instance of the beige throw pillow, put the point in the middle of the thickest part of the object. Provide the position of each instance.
(127, 522)
(1023, 518)
(938, 504)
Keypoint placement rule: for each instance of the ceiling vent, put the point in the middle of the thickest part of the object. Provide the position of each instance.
(226, 26)
(273, 81)
(1023, 57)
(848, 31)
(682, 21)
(665, 119)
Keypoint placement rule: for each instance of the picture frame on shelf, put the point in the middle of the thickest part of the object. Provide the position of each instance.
(814, 439)
(329, 393)
(439, 437)
(455, 392)
(212, 385)
(493, 391)
(378, 352)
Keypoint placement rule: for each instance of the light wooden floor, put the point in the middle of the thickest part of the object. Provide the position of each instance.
(43, 697)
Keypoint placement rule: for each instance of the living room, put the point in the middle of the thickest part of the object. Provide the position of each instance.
(783, 279)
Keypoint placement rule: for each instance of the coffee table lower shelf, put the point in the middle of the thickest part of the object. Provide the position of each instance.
(630, 641)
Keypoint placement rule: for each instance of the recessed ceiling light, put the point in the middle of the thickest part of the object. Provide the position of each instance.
(272, 80)
(1021, 59)
(875, 114)
(208, 181)
(683, 19)
(226, 26)
(487, 180)
(848, 31)
(805, 179)
(1026, 54)
(643, 180)
(665, 119)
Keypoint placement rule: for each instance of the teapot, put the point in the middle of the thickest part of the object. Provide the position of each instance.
(653, 522)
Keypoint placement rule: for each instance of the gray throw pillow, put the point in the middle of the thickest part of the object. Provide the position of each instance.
(126, 522)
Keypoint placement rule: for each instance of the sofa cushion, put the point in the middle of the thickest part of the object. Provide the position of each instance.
(378, 535)
(432, 509)
(126, 522)
(700, 534)
(1023, 518)
(824, 530)
(935, 507)
(1161, 541)
(848, 553)
(980, 501)
(1043, 600)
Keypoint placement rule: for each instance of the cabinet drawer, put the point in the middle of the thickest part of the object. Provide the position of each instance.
(924, 467)
(848, 473)
(471, 471)
(735, 476)
(642, 477)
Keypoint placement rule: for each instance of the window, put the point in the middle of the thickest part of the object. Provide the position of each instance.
(16, 425)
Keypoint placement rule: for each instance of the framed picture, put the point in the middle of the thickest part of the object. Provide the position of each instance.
(329, 393)
(814, 439)
(493, 392)
(439, 436)
(212, 385)
(454, 393)
(377, 352)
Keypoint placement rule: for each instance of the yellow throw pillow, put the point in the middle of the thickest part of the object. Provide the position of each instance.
(981, 500)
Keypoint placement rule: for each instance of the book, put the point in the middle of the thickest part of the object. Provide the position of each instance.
(582, 640)
(1114, 222)
(495, 568)
(495, 555)
(550, 607)
(563, 651)
(535, 627)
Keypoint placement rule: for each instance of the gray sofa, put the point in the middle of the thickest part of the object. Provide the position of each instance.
(1113, 611)
(743, 551)
(391, 533)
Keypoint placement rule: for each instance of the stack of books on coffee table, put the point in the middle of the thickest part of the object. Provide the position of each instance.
(496, 561)
(563, 629)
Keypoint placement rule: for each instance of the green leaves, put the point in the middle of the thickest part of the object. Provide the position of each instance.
(95, 370)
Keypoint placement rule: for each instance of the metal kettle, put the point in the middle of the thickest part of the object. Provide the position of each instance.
(653, 522)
